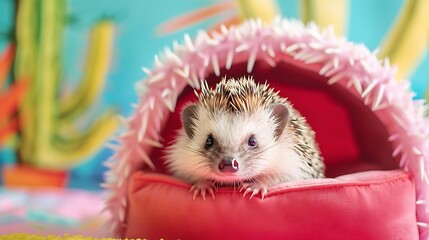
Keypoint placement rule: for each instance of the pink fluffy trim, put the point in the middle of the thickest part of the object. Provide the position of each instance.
(342, 62)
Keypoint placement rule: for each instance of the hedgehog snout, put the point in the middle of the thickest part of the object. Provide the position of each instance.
(228, 164)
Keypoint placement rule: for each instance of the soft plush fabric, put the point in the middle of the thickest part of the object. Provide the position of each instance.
(364, 119)
(367, 205)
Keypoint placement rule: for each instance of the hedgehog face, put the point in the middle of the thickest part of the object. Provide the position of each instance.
(230, 147)
(235, 133)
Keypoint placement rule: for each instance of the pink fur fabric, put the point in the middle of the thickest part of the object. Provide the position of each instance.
(346, 64)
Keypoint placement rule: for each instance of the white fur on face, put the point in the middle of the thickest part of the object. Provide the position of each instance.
(272, 161)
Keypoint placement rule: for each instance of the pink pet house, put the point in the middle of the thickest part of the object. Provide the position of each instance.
(373, 136)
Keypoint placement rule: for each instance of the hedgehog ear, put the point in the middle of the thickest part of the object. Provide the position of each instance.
(281, 113)
(188, 117)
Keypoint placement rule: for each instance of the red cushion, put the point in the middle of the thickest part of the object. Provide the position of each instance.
(366, 205)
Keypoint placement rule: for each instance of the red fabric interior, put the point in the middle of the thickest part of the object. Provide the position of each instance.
(350, 136)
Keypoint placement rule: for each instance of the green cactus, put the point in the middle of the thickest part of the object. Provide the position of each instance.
(50, 135)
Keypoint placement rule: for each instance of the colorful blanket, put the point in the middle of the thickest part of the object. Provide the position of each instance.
(51, 212)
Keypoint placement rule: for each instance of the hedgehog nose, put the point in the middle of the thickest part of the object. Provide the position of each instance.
(228, 165)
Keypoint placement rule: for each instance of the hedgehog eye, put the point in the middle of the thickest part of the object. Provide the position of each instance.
(209, 141)
(252, 142)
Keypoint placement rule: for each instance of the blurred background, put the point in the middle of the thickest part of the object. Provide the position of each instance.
(68, 70)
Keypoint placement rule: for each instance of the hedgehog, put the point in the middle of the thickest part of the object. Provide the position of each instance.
(242, 134)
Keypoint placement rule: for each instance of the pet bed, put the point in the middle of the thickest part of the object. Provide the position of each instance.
(372, 135)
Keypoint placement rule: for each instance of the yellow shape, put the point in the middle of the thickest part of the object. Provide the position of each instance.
(408, 40)
(265, 10)
(326, 13)
(94, 74)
